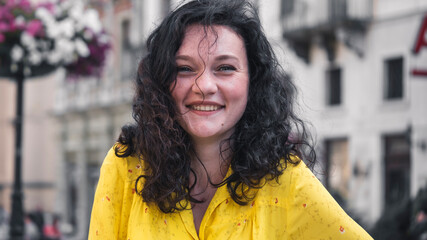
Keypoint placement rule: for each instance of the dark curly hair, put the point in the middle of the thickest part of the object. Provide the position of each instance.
(264, 139)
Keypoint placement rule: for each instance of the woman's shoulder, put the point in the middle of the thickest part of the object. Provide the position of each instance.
(296, 171)
(128, 167)
(293, 169)
(313, 210)
(296, 175)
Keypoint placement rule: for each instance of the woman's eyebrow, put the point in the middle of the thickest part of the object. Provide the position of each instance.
(220, 57)
(183, 57)
(226, 57)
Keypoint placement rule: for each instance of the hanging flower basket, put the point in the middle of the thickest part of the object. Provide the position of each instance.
(37, 39)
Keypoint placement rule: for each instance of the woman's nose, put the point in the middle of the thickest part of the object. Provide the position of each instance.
(205, 84)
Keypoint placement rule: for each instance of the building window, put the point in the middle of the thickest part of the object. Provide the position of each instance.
(287, 7)
(334, 88)
(393, 78)
(126, 62)
(337, 10)
(397, 168)
(338, 169)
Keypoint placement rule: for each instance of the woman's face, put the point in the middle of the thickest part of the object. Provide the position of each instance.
(212, 82)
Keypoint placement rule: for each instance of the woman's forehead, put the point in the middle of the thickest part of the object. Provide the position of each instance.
(210, 38)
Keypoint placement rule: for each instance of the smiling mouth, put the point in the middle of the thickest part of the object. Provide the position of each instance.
(205, 108)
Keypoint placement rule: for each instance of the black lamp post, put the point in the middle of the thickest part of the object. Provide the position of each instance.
(17, 226)
(17, 218)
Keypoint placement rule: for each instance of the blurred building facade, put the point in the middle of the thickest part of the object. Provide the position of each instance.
(353, 61)
(91, 113)
(361, 67)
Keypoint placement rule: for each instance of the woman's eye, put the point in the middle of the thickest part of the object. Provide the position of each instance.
(184, 69)
(226, 68)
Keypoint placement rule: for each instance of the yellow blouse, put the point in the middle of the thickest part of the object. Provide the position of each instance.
(299, 207)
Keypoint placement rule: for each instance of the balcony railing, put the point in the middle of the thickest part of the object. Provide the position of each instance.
(326, 14)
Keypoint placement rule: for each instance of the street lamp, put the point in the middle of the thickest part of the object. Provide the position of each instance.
(34, 41)
(17, 217)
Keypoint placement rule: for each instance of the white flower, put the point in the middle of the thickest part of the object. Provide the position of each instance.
(54, 57)
(103, 38)
(20, 20)
(76, 11)
(17, 53)
(65, 6)
(28, 41)
(59, 10)
(53, 30)
(35, 58)
(82, 48)
(66, 49)
(65, 45)
(62, 44)
(56, 11)
(91, 21)
(67, 28)
(51, 1)
(44, 15)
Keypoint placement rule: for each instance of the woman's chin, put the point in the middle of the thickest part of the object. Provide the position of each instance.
(214, 134)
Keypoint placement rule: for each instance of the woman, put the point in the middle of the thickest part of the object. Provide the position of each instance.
(215, 151)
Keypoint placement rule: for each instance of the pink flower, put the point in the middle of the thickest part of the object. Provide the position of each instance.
(4, 26)
(12, 26)
(34, 27)
(19, 22)
(49, 6)
(25, 5)
(2, 38)
(10, 2)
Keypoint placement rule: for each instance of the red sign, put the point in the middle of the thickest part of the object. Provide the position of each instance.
(420, 43)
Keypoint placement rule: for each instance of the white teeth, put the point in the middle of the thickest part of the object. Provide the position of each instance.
(205, 107)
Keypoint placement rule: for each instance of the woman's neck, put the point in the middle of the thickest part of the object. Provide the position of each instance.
(209, 163)
(210, 166)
